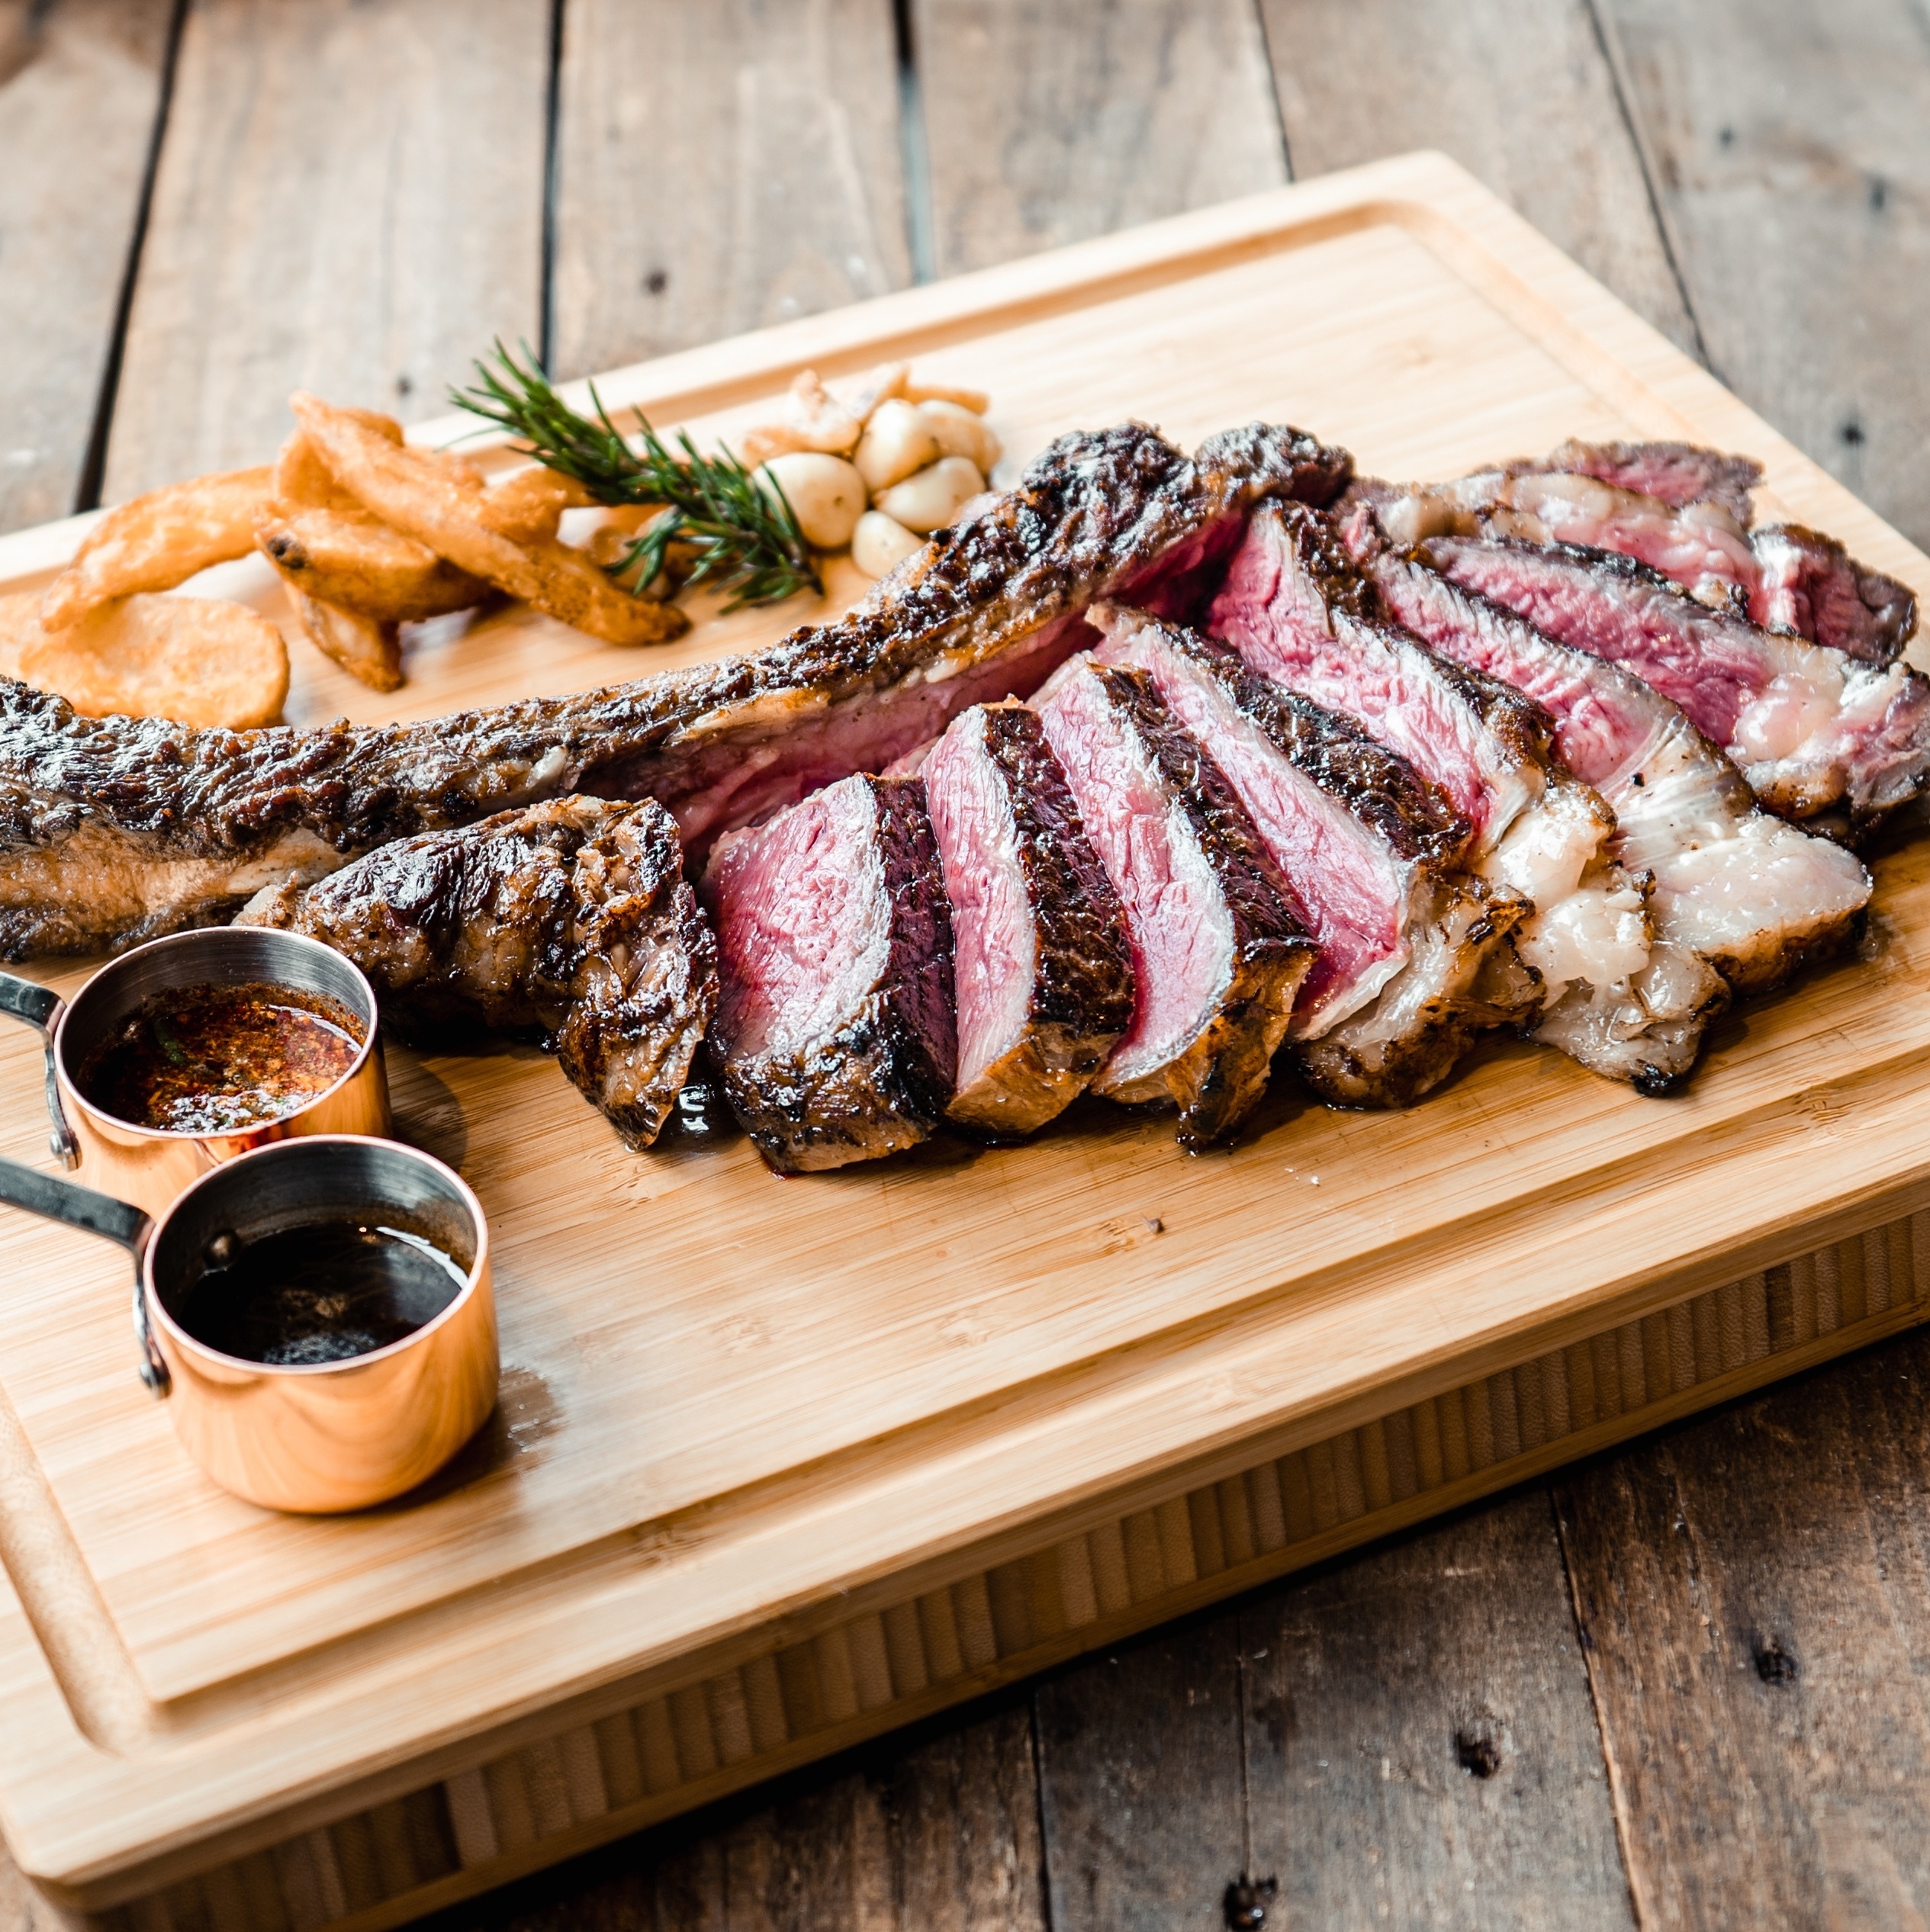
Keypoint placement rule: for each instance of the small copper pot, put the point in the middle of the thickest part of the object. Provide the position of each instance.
(150, 1166)
(319, 1437)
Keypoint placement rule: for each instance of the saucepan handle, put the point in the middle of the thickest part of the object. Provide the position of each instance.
(55, 1200)
(41, 1007)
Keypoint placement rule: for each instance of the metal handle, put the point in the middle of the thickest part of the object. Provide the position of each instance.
(67, 1201)
(40, 1007)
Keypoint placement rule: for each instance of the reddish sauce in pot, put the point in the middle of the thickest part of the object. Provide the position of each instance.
(214, 1059)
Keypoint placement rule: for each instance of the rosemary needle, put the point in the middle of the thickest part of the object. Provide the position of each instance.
(741, 532)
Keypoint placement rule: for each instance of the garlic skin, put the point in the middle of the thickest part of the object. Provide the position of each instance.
(896, 441)
(826, 493)
(959, 431)
(881, 543)
(930, 500)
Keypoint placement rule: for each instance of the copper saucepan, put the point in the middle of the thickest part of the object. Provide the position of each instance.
(150, 1166)
(319, 1436)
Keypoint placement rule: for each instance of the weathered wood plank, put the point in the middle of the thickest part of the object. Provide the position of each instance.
(763, 182)
(1421, 1746)
(1141, 1783)
(80, 85)
(350, 200)
(1520, 92)
(1048, 124)
(941, 1837)
(1751, 1589)
(1790, 148)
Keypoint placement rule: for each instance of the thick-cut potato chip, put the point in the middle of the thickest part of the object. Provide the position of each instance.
(159, 540)
(364, 647)
(196, 660)
(427, 496)
(350, 558)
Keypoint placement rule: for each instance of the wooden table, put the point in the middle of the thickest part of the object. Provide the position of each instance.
(1681, 1687)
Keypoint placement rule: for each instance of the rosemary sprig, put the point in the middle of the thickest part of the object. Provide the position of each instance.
(743, 533)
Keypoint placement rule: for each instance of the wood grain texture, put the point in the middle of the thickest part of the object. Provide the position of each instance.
(350, 200)
(1421, 1746)
(1038, 1331)
(1519, 92)
(940, 1837)
(1144, 1799)
(1047, 124)
(1752, 1589)
(1791, 149)
(719, 168)
(80, 86)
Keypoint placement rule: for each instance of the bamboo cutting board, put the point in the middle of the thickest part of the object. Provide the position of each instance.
(779, 1464)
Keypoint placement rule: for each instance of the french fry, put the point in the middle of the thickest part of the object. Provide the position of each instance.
(196, 660)
(365, 648)
(159, 540)
(351, 559)
(429, 497)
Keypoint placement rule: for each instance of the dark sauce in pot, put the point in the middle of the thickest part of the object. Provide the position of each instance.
(214, 1059)
(322, 1292)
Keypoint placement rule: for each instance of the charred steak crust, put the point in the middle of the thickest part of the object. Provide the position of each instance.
(880, 1079)
(1082, 987)
(571, 918)
(1221, 1078)
(97, 815)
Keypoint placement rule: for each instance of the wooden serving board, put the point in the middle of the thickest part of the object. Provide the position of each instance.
(781, 1463)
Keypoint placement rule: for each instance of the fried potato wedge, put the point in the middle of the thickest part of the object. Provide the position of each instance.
(159, 540)
(439, 501)
(196, 660)
(528, 506)
(349, 558)
(364, 646)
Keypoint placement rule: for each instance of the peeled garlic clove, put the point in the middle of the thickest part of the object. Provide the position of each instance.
(930, 500)
(897, 441)
(825, 493)
(881, 543)
(958, 432)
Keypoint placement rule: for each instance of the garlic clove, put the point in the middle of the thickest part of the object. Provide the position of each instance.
(896, 441)
(881, 543)
(959, 432)
(825, 492)
(930, 498)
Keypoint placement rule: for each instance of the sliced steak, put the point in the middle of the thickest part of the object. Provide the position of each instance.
(1784, 577)
(1736, 891)
(1411, 954)
(1041, 959)
(1217, 953)
(835, 1031)
(1821, 739)
(1300, 613)
(571, 918)
(1677, 473)
(114, 829)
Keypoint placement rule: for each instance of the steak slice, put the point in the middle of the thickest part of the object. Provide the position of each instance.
(834, 1029)
(1820, 739)
(1217, 953)
(1677, 473)
(115, 829)
(1300, 613)
(1040, 960)
(1783, 578)
(1737, 891)
(570, 918)
(1410, 951)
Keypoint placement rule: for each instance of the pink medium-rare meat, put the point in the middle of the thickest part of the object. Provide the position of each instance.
(1413, 957)
(1745, 895)
(1677, 473)
(571, 919)
(1820, 738)
(1300, 613)
(1783, 578)
(1217, 953)
(115, 829)
(835, 1028)
(1040, 961)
